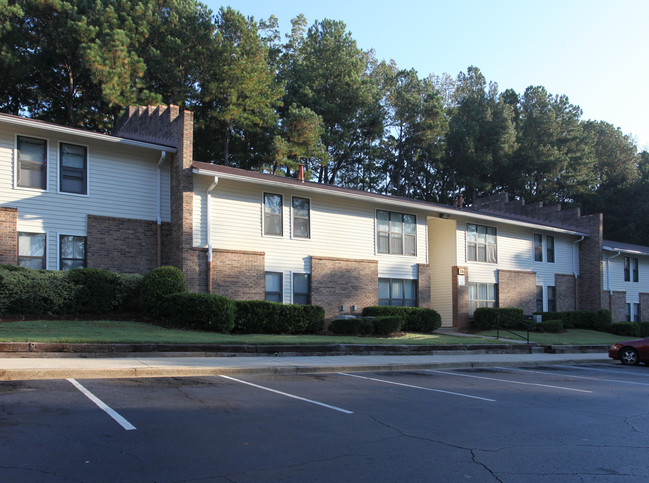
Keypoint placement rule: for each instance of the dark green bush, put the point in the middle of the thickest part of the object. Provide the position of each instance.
(352, 326)
(550, 326)
(130, 292)
(627, 329)
(200, 311)
(486, 318)
(603, 320)
(415, 319)
(643, 329)
(387, 324)
(157, 284)
(25, 291)
(261, 317)
(96, 291)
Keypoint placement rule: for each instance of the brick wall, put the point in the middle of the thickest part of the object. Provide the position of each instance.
(565, 292)
(618, 306)
(423, 285)
(460, 298)
(238, 274)
(341, 281)
(517, 289)
(8, 236)
(644, 306)
(121, 244)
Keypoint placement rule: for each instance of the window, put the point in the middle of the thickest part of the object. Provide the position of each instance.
(538, 247)
(636, 312)
(397, 292)
(74, 169)
(481, 295)
(628, 312)
(549, 248)
(72, 252)
(274, 287)
(539, 298)
(31, 250)
(481, 244)
(396, 233)
(301, 214)
(273, 214)
(552, 299)
(301, 289)
(631, 268)
(32, 163)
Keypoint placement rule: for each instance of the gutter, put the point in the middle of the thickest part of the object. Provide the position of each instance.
(163, 155)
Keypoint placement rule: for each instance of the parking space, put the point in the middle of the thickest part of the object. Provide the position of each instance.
(572, 423)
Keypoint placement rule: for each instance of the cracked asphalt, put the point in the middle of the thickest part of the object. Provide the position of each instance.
(568, 423)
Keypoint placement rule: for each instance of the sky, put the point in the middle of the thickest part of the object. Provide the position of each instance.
(596, 52)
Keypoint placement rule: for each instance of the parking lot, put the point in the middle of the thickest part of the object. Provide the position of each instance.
(555, 423)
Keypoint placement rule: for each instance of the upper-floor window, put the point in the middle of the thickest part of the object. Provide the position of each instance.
(31, 250)
(481, 244)
(397, 292)
(631, 269)
(32, 163)
(538, 247)
(549, 248)
(73, 170)
(72, 252)
(273, 214)
(301, 218)
(396, 233)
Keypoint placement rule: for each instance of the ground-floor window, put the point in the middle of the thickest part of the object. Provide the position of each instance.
(539, 298)
(552, 299)
(632, 312)
(274, 286)
(301, 288)
(397, 292)
(31, 250)
(72, 252)
(481, 295)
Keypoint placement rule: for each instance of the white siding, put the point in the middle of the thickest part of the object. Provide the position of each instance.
(615, 279)
(442, 255)
(121, 183)
(339, 228)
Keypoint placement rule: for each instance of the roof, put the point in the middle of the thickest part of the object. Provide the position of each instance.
(614, 246)
(434, 209)
(73, 131)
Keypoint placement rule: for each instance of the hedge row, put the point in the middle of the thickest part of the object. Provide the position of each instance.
(382, 325)
(630, 329)
(24, 291)
(581, 319)
(486, 318)
(415, 319)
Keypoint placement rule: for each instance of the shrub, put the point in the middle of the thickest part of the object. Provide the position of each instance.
(629, 329)
(603, 320)
(200, 311)
(387, 324)
(415, 319)
(130, 291)
(25, 291)
(581, 319)
(260, 316)
(550, 326)
(643, 329)
(96, 291)
(485, 318)
(157, 284)
(352, 326)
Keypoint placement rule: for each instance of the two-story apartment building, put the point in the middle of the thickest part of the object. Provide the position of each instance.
(137, 199)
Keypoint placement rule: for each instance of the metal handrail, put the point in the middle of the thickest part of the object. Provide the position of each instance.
(499, 328)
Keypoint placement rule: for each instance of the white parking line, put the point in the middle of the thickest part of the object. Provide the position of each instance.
(508, 381)
(417, 387)
(111, 412)
(289, 395)
(612, 371)
(547, 373)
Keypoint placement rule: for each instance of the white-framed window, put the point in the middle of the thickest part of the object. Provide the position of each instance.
(549, 248)
(539, 298)
(274, 282)
(72, 252)
(31, 163)
(301, 217)
(302, 288)
(636, 312)
(628, 312)
(73, 169)
(31, 250)
(396, 233)
(481, 295)
(538, 248)
(398, 292)
(631, 269)
(552, 298)
(482, 245)
(273, 219)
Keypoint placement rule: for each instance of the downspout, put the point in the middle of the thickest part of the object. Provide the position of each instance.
(209, 235)
(163, 155)
(574, 272)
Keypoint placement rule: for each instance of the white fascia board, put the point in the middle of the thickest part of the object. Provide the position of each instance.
(625, 250)
(413, 205)
(26, 122)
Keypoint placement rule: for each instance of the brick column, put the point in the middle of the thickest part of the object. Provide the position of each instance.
(565, 291)
(423, 285)
(8, 236)
(618, 306)
(644, 306)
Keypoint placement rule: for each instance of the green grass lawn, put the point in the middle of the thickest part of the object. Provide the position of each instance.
(572, 336)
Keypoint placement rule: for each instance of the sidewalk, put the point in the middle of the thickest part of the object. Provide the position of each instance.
(79, 367)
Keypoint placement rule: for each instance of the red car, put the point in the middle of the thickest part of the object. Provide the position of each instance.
(631, 352)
